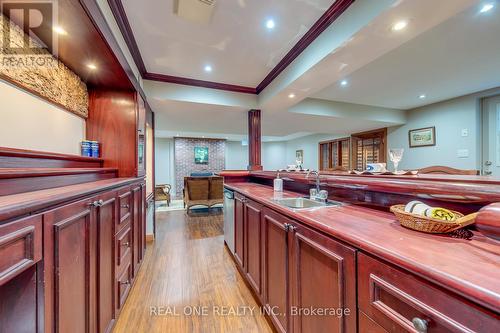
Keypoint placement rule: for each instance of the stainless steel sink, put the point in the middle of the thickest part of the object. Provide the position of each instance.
(304, 203)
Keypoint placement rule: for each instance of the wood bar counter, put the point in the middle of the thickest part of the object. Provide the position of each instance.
(354, 257)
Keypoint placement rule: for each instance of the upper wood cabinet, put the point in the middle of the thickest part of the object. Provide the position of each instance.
(117, 119)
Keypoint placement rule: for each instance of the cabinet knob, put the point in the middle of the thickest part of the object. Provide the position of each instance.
(126, 244)
(420, 324)
(94, 204)
(126, 206)
(292, 228)
(125, 282)
(100, 203)
(287, 226)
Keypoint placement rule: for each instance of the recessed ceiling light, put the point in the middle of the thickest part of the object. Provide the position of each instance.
(270, 24)
(487, 7)
(92, 66)
(203, 136)
(59, 30)
(292, 95)
(400, 25)
(422, 96)
(208, 68)
(343, 83)
(177, 134)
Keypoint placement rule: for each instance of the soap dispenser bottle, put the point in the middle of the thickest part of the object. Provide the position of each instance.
(278, 183)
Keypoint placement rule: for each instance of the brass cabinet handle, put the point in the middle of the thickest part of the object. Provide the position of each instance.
(420, 324)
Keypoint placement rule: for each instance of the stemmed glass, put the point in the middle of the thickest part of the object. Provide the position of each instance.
(396, 155)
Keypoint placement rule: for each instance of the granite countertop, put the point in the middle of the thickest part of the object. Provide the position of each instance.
(470, 268)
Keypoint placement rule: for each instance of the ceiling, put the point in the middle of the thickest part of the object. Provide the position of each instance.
(447, 51)
(235, 43)
(455, 58)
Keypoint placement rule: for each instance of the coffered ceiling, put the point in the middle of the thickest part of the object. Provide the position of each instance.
(447, 49)
(237, 46)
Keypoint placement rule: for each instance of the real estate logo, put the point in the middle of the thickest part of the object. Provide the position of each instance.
(28, 34)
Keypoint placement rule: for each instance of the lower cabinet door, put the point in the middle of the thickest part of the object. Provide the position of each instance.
(323, 283)
(106, 220)
(69, 268)
(239, 229)
(276, 268)
(253, 240)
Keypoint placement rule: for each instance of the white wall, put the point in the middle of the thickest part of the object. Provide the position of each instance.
(274, 155)
(29, 122)
(236, 156)
(450, 118)
(309, 144)
(164, 162)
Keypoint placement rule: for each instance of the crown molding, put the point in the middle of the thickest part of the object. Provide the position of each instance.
(333, 12)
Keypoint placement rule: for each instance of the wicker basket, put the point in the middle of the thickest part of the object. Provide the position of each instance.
(430, 225)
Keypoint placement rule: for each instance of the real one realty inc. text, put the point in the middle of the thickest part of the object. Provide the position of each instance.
(217, 310)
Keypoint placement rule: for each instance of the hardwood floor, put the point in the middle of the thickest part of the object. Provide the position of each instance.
(189, 269)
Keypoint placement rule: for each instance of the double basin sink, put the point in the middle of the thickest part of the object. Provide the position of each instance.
(305, 203)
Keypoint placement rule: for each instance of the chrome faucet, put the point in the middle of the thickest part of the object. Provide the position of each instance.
(317, 178)
(321, 195)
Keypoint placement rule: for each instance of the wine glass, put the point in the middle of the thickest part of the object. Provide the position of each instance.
(396, 155)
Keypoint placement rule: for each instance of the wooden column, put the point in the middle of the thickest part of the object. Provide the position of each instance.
(254, 140)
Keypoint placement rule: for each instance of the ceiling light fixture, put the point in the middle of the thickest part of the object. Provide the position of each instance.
(487, 7)
(208, 68)
(343, 83)
(92, 66)
(270, 24)
(292, 95)
(59, 30)
(399, 25)
(422, 96)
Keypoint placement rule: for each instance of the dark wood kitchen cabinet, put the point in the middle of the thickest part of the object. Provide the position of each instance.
(397, 301)
(137, 227)
(107, 218)
(295, 270)
(70, 268)
(275, 257)
(20, 270)
(323, 278)
(239, 230)
(253, 248)
(117, 119)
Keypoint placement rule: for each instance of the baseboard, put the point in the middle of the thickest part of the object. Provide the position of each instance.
(150, 238)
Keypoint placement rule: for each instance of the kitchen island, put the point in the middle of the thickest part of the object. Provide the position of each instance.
(359, 258)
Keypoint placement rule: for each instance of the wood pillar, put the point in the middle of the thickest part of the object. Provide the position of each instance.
(254, 140)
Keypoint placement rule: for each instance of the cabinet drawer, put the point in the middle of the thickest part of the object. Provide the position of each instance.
(123, 283)
(123, 247)
(20, 246)
(125, 202)
(399, 301)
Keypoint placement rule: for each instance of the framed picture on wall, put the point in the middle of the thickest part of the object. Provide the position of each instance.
(201, 155)
(299, 157)
(422, 137)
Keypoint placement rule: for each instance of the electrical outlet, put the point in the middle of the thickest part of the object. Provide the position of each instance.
(465, 132)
